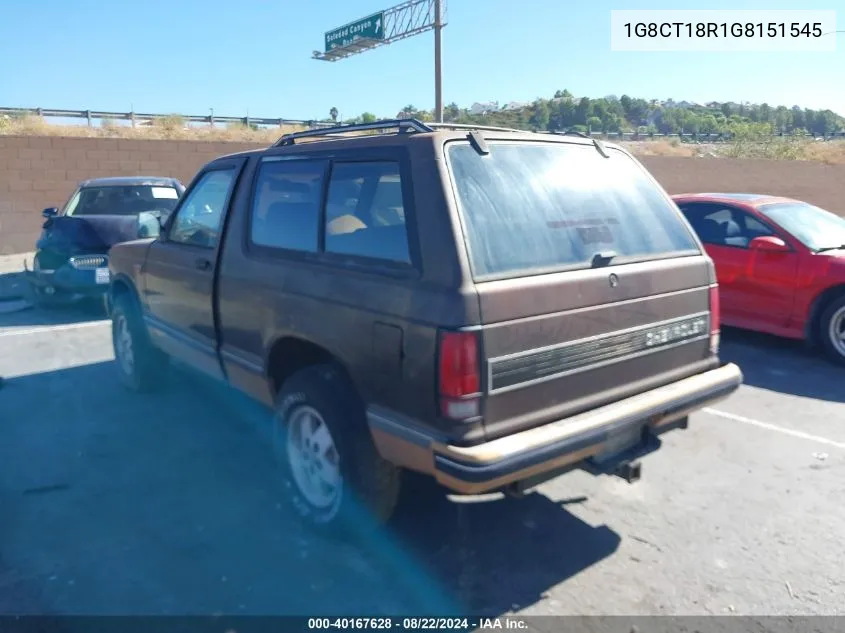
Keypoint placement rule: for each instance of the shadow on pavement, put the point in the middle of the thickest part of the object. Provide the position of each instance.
(782, 365)
(112, 502)
(19, 311)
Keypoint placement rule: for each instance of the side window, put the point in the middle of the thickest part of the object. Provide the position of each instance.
(755, 228)
(286, 206)
(365, 213)
(71, 205)
(198, 219)
(718, 225)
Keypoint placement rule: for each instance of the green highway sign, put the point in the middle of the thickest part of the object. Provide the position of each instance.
(371, 27)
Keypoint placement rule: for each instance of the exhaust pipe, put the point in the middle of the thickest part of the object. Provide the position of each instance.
(630, 471)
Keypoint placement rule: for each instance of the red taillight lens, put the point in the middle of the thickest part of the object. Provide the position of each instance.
(459, 376)
(458, 364)
(715, 318)
(715, 309)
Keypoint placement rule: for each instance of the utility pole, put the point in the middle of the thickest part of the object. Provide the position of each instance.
(438, 78)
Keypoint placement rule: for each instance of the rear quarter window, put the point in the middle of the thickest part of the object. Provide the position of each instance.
(533, 207)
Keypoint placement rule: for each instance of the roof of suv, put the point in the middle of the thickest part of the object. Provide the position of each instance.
(400, 131)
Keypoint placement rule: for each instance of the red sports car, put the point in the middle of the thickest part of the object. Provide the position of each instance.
(780, 264)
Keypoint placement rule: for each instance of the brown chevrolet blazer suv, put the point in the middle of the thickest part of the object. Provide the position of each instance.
(485, 306)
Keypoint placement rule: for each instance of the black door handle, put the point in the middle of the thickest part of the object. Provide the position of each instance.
(202, 263)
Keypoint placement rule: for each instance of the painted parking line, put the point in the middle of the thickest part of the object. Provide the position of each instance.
(774, 427)
(53, 328)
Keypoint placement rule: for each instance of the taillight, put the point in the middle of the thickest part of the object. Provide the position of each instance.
(715, 318)
(459, 377)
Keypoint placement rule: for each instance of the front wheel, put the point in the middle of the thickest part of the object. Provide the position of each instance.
(832, 331)
(334, 475)
(141, 366)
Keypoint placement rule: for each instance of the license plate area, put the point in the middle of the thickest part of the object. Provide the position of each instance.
(101, 275)
(621, 441)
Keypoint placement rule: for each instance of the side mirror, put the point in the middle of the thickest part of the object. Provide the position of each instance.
(50, 212)
(769, 243)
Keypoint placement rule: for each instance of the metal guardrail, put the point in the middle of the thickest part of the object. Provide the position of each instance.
(139, 117)
(706, 137)
(211, 119)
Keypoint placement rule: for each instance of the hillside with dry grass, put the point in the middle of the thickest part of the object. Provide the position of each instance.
(172, 128)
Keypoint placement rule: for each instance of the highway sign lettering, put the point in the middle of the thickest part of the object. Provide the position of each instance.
(371, 27)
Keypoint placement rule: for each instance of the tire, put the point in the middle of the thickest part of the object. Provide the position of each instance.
(351, 488)
(141, 366)
(832, 331)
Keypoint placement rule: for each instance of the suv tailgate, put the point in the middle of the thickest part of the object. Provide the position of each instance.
(591, 284)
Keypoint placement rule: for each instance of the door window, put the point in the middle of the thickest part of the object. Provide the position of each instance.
(721, 225)
(286, 207)
(199, 218)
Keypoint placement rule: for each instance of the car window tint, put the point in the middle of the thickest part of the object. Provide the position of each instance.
(717, 225)
(286, 207)
(123, 200)
(198, 220)
(755, 228)
(532, 207)
(365, 213)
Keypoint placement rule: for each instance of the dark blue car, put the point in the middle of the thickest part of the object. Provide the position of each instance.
(71, 259)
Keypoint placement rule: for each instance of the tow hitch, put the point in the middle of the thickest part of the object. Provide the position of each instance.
(629, 471)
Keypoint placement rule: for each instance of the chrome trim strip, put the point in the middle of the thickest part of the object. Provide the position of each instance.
(604, 363)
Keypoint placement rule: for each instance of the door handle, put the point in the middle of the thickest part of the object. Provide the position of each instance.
(202, 263)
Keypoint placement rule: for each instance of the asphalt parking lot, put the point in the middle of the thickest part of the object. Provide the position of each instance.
(168, 504)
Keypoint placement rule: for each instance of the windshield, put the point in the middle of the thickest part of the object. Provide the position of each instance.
(125, 200)
(535, 207)
(814, 227)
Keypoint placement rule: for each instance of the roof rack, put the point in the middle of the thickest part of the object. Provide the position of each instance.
(401, 125)
(471, 126)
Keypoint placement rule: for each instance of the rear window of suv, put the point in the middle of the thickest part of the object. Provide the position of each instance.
(535, 207)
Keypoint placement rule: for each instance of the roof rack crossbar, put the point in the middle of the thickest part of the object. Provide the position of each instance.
(470, 126)
(403, 125)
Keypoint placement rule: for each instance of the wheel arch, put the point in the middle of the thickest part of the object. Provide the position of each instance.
(288, 354)
(820, 304)
(122, 286)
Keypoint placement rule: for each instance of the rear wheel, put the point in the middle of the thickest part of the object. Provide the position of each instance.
(335, 478)
(141, 366)
(832, 331)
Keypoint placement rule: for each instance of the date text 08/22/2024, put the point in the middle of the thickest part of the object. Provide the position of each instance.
(417, 624)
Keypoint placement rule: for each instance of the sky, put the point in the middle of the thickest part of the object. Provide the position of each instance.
(254, 57)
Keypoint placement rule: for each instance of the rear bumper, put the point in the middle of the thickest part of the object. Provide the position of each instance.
(597, 441)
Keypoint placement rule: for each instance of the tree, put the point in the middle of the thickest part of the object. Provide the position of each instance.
(582, 111)
(451, 113)
(798, 119)
(594, 124)
(709, 124)
(368, 117)
(540, 115)
(333, 114)
(626, 101)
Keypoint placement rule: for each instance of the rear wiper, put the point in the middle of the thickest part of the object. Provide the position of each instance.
(602, 258)
(830, 248)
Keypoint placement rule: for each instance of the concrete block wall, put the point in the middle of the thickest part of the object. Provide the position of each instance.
(39, 172)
